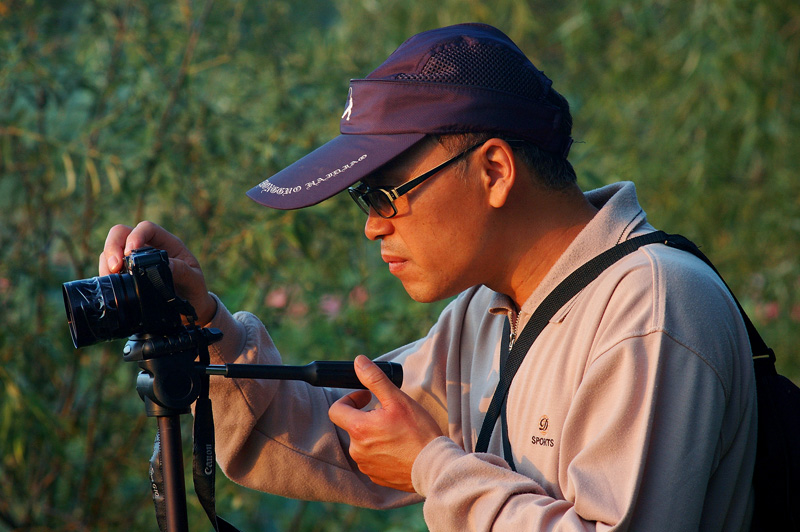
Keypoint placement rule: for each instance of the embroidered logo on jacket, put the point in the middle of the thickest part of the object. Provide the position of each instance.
(544, 426)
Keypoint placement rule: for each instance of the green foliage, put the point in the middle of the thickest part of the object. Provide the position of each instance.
(114, 112)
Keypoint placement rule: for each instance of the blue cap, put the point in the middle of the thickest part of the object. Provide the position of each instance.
(467, 78)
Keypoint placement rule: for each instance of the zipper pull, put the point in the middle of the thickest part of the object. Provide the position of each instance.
(513, 318)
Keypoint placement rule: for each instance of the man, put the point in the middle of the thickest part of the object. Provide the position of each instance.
(635, 407)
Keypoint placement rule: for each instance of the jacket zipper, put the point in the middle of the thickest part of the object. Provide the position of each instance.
(513, 318)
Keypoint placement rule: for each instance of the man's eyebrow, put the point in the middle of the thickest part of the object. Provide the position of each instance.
(371, 181)
(382, 179)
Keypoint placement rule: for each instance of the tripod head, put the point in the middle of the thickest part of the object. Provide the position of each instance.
(170, 380)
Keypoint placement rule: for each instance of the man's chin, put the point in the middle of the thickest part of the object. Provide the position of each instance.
(422, 294)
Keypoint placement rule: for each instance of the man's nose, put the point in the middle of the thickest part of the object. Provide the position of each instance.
(376, 226)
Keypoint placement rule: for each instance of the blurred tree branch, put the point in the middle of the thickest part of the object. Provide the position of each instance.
(164, 121)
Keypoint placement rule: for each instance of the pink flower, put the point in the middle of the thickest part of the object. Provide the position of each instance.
(358, 296)
(297, 309)
(277, 298)
(330, 305)
(769, 311)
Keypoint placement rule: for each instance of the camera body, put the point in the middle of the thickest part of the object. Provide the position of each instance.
(140, 299)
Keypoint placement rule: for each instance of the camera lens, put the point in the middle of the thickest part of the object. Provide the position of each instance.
(102, 308)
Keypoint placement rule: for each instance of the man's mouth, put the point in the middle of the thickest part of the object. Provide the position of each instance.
(396, 264)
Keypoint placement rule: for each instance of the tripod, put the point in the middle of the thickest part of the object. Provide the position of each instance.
(175, 373)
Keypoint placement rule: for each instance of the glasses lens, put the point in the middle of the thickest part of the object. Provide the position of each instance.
(358, 197)
(377, 199)
(380, 201)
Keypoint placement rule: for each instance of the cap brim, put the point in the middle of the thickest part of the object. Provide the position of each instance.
(329, 169)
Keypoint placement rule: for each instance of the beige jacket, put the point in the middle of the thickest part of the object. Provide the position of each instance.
(633, 410)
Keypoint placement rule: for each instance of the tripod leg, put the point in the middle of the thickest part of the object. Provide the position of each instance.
(169, 429)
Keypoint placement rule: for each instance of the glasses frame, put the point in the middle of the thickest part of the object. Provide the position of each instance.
(362, 193)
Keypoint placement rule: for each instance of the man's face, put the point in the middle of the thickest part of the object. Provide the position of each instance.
(437, 243)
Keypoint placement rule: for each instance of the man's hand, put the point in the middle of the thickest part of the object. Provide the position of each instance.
(189, 281)
(384, 442)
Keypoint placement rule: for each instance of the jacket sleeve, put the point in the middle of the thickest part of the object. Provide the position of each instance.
(275, 435)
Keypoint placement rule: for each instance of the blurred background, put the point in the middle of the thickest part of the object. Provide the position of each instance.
(117, 111)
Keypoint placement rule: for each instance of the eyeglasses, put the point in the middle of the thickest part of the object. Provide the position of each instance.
(381, 199)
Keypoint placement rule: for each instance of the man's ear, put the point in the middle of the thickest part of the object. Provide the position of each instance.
(498, 170)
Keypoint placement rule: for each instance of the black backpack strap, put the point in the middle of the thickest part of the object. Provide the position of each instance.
(559, 297)
(762, 355)
(777, 493)
(504, 351)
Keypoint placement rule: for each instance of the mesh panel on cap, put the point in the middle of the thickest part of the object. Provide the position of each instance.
(482, 65)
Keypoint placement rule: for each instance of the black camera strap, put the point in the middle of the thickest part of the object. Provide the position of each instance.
(204, 461)
(157, 484)
(156, 278)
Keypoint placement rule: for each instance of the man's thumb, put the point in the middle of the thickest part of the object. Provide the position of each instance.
(374, 379)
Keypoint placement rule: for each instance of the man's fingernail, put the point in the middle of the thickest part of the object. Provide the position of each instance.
(362, 361)
(112, 263)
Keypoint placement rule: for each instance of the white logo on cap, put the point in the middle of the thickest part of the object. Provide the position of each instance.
(349, 108)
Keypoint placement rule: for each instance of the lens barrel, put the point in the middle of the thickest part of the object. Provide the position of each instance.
(102, 308)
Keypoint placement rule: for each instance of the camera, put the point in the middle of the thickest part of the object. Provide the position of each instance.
(139, 300)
